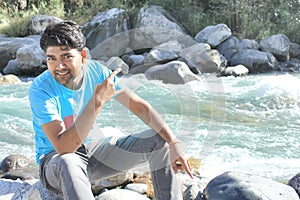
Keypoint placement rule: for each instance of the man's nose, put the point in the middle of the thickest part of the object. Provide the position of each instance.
(60, 64)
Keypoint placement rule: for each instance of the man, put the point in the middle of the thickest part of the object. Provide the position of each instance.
(65, 101)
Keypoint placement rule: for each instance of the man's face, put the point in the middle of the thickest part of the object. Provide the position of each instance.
(64, 64)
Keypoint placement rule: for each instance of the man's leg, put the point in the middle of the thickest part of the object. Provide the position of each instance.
(116, 155)
(66, 174)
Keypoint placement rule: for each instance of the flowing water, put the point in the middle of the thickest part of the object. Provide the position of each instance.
(249, 124)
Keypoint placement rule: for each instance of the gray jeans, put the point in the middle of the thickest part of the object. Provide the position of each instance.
(70, 174)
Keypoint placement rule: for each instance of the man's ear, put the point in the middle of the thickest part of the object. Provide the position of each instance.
(83, 54)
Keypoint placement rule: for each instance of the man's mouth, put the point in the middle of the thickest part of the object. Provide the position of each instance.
(61, 73)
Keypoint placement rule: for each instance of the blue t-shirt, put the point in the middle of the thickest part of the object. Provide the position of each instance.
(50, 100)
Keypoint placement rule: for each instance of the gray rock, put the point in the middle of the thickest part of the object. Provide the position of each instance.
(103, 26)
(233, 45)
(163, 53)
(156, 26)
(111, 182)
(9, 47)
(295, 183)
(116, 62)
(278, 45)
(238, 186)
(39, 23)
(121, 194)
(295, 50)
(214, 35)
(206, 61)
(192, 192)
(256, 61)
(14, 161)
(175, 72)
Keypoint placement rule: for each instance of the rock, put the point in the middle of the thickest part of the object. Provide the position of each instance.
(238, 186)
(39, 23)
(156, 26)
(14, 161)
(175, 72)
(295, 50)
(292, 65)
(192, 192)
(121, 194)
(140, 188)
(164, 53)
(9, 79)
(9, 47)
(111, 182)
(116, 62)
(233, 45)
(214, 35)
(135, 60)
(107, 34)
(202, 58)
(32, 189)
(238, 70)
(278, 45)
(31, 60)
(256, 61)
(295, 183)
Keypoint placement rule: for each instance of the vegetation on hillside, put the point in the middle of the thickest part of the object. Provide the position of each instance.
(252, 19)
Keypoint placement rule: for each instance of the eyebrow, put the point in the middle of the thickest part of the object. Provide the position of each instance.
(52, 56)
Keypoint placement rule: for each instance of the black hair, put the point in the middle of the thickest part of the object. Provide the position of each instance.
(66, 33)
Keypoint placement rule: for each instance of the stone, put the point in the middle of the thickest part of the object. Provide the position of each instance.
(278, 45)
(239, 186)
(9, 79)
(214, 35)
(116, 62)
(175, 72)
(140, 188)
(39, 23)
(256, 61)
(121, 194)
(295, 183)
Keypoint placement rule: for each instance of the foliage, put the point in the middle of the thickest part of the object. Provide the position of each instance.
(253, 19)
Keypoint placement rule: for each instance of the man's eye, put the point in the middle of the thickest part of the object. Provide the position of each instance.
(49, 59)
(67, 57)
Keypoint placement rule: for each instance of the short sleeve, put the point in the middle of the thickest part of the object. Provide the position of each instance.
(44, 106)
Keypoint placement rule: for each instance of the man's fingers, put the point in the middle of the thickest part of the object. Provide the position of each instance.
(114, 73)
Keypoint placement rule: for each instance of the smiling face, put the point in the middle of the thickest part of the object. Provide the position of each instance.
(64, 64)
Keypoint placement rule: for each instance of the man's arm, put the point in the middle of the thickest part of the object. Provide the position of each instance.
(68, 140)
(147, 113)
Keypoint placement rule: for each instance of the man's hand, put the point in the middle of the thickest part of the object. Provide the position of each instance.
(179, 162)
(106, 90)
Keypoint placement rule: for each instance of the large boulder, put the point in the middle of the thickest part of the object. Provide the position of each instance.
(106, 34)
(39, 23)
(256, 61)
(163, 53)
(278, 45)
(295, 50)
(9, 47)
(201, 57)
(214, 35)
(238, 186)
(30, 61)
(154, 26)
(175, 72)
(233, 45)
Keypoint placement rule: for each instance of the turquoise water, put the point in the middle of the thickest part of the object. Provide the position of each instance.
(250, 124)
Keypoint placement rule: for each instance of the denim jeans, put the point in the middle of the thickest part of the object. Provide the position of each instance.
(70, 174)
